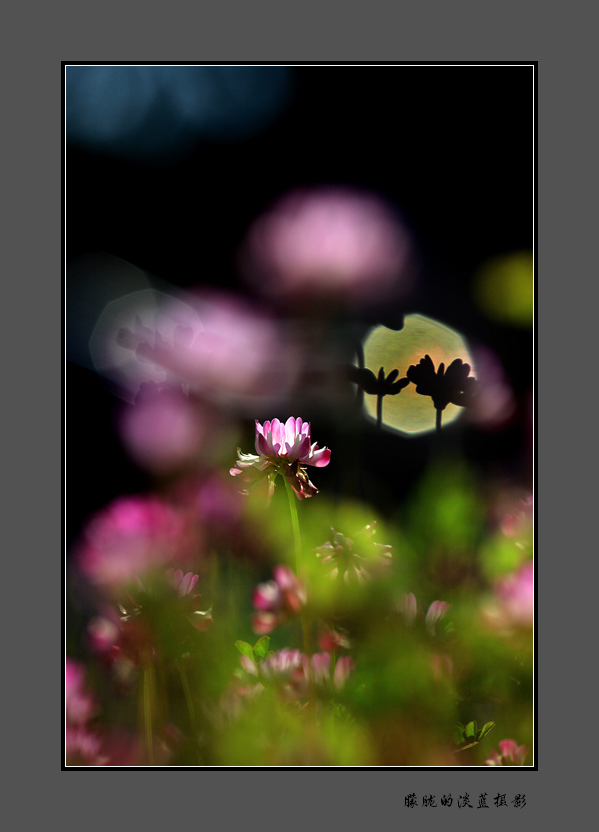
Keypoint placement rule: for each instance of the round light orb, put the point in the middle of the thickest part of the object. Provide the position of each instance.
(409, 412)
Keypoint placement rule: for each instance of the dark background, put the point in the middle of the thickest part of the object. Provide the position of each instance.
(450, 146)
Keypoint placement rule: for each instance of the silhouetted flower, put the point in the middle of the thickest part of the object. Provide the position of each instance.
(378, 386)
(454, 386)
(282, 448)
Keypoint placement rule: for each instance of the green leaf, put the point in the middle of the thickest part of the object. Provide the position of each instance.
(261, 646)
(458, 734)
(470, 731)
(485, 730)
(245, 649)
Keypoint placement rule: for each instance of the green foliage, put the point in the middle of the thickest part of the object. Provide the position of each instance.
(468, 735)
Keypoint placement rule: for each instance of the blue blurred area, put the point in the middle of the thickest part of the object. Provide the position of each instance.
(153, 112)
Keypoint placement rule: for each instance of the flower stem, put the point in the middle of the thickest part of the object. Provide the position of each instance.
(148, 690)
(438, 420)
(379, 410)
(188, 699)
(297, 540)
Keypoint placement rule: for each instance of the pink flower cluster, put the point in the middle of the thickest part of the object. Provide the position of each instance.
(293, 672)
(282, 448)
(277, 601)
(510, 754)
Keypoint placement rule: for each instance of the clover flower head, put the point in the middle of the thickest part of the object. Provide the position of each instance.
(284, 448)
(510, 753)
(451, 386)
(350, 559)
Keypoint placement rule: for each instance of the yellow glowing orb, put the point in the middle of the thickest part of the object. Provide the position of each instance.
(410, 412)
(504, 289)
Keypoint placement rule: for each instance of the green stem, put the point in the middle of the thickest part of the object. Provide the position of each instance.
(147, 710)
(297, 540)
(188, 699)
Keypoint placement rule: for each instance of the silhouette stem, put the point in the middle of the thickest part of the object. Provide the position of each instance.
(438, 421)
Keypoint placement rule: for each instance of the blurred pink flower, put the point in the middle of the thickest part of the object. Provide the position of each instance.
(82, 744)
(515, 596)
(511, 754)
(164, 429)
(517, 523)
(80, 705)
(130, 537)
(408, 607)
(113, 749)
(331, 639)
(292, 672)
(441, 665)
(183, 584)
(356, 558)
(103, 632)
(328, 242)
(317, 669)
(277, 601)
(282, 448)
(225, 349)
(495, 403)
(436, 611)
(83, 747)
(127, 636)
